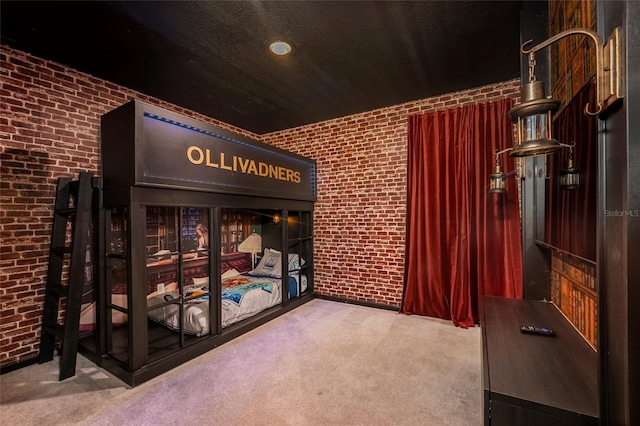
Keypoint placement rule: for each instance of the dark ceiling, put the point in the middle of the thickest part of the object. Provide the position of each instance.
(212, 57)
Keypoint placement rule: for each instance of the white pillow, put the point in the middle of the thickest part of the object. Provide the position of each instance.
(270, 264)
(293, 261)
(230, 273)
(201, 281)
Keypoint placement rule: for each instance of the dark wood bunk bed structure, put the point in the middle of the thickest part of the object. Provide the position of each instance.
(207, 234)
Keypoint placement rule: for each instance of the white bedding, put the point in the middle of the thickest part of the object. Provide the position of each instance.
(242, 297)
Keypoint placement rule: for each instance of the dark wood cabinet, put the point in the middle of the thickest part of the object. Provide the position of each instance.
(531, 379)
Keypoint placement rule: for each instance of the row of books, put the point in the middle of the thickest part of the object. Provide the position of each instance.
(576, 270)
(580, 307)
(583, 310)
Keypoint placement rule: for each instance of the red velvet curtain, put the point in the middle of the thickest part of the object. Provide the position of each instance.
(461, 241)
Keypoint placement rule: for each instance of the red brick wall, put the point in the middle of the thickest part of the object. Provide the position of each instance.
(49, 125)
(360, 213)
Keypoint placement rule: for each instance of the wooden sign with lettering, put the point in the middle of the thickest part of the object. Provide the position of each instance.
(143, 145)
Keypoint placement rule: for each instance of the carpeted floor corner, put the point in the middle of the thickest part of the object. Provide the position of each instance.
(325, 363)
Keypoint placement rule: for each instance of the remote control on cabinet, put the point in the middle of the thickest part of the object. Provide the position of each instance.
(529, 329)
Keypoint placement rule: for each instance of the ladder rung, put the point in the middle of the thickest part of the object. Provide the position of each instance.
(66, 212)
(59, 289)
(56, 330)
(61, 251)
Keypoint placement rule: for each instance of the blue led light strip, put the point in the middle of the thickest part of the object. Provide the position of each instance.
(215, 135)
(195, 129)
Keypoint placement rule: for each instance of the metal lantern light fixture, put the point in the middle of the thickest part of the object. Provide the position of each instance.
(569, 175)
(497, 184)
(497, 180)
(533, 114)
(533, 119)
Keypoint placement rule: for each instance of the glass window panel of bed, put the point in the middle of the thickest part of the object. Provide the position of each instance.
(250, 246)
(195, 249)
(173, 261)
(116, 284)
(300, 254)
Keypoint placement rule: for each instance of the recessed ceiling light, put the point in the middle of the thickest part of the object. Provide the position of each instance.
(280, 48)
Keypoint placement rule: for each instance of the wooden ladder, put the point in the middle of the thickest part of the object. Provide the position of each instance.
(73, 205)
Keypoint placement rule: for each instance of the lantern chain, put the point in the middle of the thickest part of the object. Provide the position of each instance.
(532, 66)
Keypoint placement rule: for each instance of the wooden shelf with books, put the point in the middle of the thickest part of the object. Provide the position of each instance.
(572, 66)
(573, 290)
(235, 227)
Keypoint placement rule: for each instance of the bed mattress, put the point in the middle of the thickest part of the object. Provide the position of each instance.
(242, 297)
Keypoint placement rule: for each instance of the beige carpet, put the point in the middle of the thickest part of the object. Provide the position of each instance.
(325, 363)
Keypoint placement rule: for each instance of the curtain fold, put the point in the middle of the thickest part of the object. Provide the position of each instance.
(461, 241)
(570, 216)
